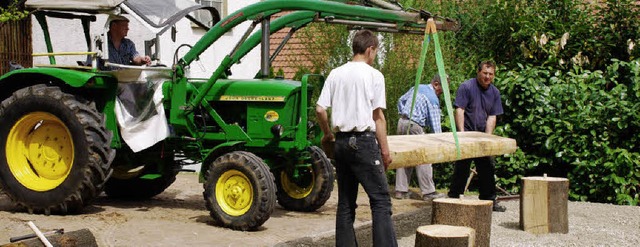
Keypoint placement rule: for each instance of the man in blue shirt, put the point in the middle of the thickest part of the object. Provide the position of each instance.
(477, 105)
(426, 111)
(123, 50)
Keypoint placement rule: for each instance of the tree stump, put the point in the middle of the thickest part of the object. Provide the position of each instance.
(79, 238)
(475, 214)
(444, 236)
(544, 205)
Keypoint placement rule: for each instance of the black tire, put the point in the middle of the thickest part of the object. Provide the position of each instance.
(141, 175)
(55, 151)
(239, 191)
(311, 189)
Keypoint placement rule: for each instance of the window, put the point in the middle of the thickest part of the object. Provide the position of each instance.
(204, 16)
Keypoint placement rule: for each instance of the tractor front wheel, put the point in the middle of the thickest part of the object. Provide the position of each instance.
(239, 191)
(55, 152)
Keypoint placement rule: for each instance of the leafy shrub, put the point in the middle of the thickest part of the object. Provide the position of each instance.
(578, 124)
(12, 12)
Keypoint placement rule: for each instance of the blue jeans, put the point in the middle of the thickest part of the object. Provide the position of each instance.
(358, 161)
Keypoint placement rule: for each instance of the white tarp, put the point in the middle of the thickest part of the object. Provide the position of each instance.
(92, 5)
(157, 12)
(139, 108)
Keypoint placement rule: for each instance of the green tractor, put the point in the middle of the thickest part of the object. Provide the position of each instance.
(68, 134)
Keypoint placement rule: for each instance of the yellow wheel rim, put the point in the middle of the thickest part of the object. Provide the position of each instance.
(234, 193)
(40, 151)
(293, 190)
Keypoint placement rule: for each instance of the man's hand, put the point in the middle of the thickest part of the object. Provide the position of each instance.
(142, 60)
(328, 140)
(381, 136)
(328, 144)
(386, 159)
(146, 60)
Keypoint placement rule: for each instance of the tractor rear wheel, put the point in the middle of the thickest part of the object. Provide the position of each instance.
(312, 186)
(55, 151)
(141, 175)
(239, 191)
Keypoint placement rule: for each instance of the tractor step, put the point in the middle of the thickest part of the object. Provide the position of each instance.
(187, 170)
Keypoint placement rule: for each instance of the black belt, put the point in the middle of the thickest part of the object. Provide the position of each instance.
(355, 133)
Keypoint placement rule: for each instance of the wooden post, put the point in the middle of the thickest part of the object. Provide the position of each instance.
(444, 235)
(472, 213)
(82, 237)
(544, 205)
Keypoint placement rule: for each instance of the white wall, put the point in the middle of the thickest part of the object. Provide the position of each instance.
(67, 35)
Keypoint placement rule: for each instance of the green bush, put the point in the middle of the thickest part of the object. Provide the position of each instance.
(578, 124)
(12, 12)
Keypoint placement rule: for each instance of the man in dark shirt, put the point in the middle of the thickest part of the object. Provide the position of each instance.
(477, 105)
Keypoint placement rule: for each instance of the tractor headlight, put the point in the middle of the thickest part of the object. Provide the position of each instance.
(277, 130)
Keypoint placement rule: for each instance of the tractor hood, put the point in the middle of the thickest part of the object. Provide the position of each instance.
(254, 90)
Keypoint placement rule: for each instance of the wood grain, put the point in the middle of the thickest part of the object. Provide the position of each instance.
(475, 214)
(544, 205)
(413, 150)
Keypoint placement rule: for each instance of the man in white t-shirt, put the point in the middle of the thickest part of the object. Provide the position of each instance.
(355, 92)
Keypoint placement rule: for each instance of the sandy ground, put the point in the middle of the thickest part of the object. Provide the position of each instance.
(178, 217)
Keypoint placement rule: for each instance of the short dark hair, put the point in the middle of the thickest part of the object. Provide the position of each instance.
(116, 22)
(363, 40)
(487, 63)
(436, 78)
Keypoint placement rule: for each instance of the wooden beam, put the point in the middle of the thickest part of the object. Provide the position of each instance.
(413, 150)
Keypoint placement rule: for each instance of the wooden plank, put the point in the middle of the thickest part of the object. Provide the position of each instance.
(413, 150)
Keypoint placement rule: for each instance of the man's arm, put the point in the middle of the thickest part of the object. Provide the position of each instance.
(323, 121)
(381, 136)
(434, 118)
(491, 125)
(137, 59)
(459, 119)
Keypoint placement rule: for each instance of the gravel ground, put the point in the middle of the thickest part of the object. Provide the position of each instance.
(590, 224)
(178, 217)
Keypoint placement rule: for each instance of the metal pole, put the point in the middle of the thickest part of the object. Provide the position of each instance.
(265, 48)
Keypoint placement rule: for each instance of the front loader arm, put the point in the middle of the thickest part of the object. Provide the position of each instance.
(266, 8)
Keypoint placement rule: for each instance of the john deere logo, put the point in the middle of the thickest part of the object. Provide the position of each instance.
(252, 98)
(271, 116)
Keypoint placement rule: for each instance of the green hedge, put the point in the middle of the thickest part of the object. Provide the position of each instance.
(578, 124)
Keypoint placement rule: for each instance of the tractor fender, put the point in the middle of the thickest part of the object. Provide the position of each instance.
(73, 78)
(214, 153)
(97, 86)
